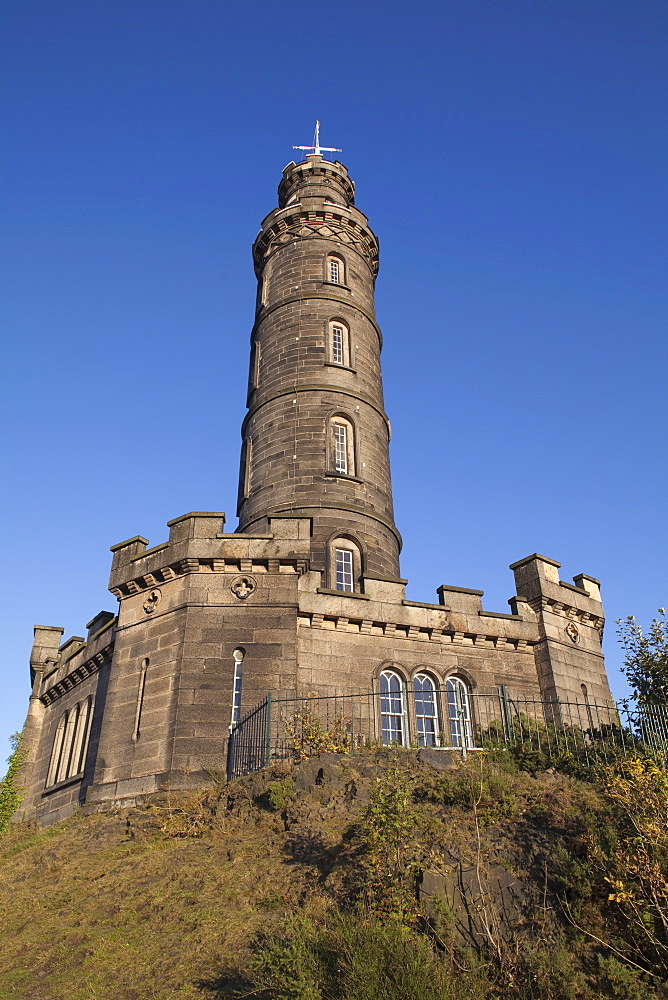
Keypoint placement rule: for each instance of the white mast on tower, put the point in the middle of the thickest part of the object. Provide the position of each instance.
(316, 147)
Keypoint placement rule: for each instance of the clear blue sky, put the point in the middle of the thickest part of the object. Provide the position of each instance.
(511, 156)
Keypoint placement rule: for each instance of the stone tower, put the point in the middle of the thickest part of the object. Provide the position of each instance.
(316, 434)
(305, 596)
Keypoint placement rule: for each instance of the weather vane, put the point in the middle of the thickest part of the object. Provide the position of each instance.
(316, 147)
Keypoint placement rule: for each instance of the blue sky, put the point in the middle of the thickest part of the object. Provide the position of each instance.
(510, 155)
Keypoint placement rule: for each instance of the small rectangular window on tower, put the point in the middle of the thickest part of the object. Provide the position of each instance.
(344, 570)
(334, 271)
(341, 449)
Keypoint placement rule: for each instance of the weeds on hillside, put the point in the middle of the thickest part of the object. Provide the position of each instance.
(387, 836)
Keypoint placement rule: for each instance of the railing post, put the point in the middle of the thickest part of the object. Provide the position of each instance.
(231, 753)
(267, 731)
(505, 712)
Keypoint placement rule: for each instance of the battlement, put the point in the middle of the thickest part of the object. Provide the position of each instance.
(198, 543)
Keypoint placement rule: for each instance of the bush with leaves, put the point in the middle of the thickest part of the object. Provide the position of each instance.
(638, 872)
(307, 734)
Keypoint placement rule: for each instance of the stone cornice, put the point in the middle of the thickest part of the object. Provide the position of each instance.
(215, 564)
(564, 610)
(401, 630)
(77, 675)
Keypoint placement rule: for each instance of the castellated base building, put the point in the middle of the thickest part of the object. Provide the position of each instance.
(306, 595)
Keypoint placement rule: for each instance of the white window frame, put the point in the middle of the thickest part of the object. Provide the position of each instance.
(340, 433)
(344, 570)
(458, 701)
(336, 270)
(393, 716)
(339, 343)
(426, 723)
(237, 685)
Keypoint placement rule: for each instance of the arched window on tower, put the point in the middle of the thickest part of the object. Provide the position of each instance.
(345, 565)
(426, 710)
(392, 708)
(335, 269)
(338, 346)
(341, 446)
(257, 351)
(459, 713)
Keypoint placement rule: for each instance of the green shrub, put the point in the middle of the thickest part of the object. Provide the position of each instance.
(10, 791)
(278, 794)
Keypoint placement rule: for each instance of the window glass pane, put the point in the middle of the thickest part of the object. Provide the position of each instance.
(337, 345)
(344, 570)
(334, 271)
(392, 712)
(341, 448)
(426, 715)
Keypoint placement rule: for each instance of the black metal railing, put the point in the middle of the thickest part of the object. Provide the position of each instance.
(286, 725)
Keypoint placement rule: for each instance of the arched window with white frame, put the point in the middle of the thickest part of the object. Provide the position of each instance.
(338, 343)
(341, 446)
(237, 684)
(392, 708)
(335, 269)
(459, 713)
(426, 711)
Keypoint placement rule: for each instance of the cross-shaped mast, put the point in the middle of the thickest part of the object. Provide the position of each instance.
(316, 147)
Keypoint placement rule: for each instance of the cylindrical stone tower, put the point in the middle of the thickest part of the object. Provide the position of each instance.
(315, 439)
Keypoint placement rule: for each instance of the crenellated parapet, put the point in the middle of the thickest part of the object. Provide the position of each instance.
(197, 544)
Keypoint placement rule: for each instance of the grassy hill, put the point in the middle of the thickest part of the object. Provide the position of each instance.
(377, 875)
